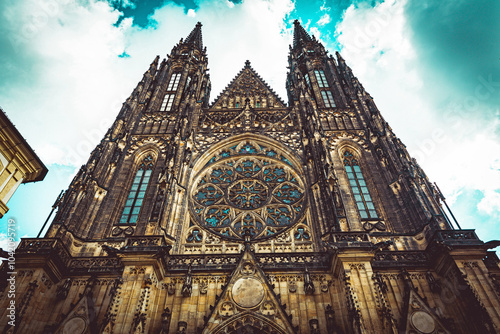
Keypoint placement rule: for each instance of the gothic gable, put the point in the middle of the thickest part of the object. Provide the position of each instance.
(248, 302)
(419, 317)
(248, 87)
(81, 318)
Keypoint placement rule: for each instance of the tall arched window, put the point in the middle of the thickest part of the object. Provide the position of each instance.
(359, 188)
(168, 100)
(326, 94)
(137, 192)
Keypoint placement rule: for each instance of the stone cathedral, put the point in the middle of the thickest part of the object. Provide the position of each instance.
(252, 215)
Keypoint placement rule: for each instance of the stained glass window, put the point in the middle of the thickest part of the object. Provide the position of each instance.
(174, 82)
(168, 100)
(248, 187)
(321, 78)
(327, 98)
(137, 192)
(359, 188)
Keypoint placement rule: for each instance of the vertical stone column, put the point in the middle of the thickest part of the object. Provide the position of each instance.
(476, 277)
(361, 293)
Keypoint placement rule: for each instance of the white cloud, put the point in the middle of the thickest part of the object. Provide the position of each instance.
(128, 3)
(315, 32)
(324, 20)
(6, 244)
(490, 203)
(191, 13)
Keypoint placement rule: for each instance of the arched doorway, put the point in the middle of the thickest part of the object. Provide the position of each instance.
(248, 323)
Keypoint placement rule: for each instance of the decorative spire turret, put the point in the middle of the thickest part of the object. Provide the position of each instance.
(195, 37)
(300, 35)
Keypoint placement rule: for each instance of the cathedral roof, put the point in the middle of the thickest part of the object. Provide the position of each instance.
(246, 84)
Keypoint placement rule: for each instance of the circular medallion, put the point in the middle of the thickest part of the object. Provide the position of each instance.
(423, 322)
(75, 326)
(248, 189)
(247, 292)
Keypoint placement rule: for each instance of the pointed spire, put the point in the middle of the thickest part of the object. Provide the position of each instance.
(195, 37)
(299, 35)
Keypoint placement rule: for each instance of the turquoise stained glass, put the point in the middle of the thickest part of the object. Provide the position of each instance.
(360, 191)
(137, 192)
(248, 187)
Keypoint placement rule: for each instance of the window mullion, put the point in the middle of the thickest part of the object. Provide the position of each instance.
(135, 197)
(361, 193)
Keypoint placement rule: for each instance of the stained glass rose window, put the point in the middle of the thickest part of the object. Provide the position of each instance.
(248, 187)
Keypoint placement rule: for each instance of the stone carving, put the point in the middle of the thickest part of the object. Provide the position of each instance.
(248, 187)
(308, 284)
(187, 287)
(247, 292)
(62, 290)
(166, 317)
(314, 326)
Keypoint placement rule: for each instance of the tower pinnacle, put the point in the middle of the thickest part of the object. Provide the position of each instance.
(195, 37)
(300, 35)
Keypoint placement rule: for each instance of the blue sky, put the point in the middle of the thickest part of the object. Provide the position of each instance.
(433, 68)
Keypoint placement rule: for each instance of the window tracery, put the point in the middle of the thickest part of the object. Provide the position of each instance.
(326, 94)
(248, 187)
(359, 188)
(168, 100)
(137, 192)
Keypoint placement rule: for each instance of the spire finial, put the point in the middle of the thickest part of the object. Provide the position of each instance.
(299, 35)
(247, 63)
(195, 37)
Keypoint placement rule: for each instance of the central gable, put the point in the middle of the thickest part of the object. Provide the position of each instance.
(248, 87)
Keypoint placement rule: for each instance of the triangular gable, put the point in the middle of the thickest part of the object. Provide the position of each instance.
(248, 85)
(248, 301)
(418, 317)
(81, 318)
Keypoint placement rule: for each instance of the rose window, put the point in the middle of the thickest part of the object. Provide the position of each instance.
(247, 194)
(248, 187)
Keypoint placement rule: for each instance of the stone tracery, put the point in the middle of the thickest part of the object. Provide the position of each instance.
(248, 187)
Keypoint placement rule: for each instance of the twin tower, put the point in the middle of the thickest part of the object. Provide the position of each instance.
(252, 215)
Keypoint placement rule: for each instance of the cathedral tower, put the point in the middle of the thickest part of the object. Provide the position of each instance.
(252, 215)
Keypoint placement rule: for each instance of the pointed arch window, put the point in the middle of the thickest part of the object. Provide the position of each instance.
(364, 201)
(321, 78)
(326, 93)
(327, 98)
(168, 100)
(174, 81)
(137, 192)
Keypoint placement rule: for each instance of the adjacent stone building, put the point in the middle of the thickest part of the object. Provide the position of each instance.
(18, 162)
(252, 215)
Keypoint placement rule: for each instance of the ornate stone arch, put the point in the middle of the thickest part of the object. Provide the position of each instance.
(139, 145)
(351, 145)
(248, 319)
(337, 138)
(203, 159)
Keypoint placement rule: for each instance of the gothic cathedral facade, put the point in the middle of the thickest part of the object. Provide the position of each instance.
(252, 215)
